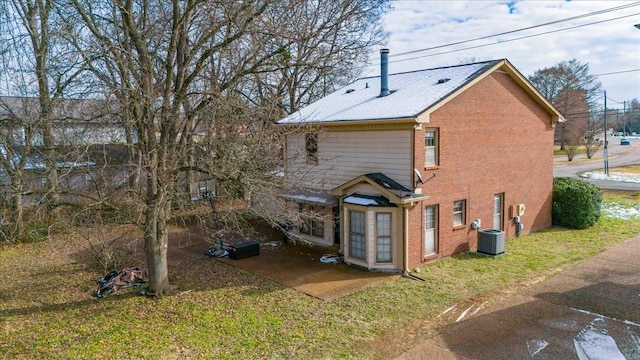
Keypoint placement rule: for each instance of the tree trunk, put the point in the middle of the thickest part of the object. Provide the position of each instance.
(157, 206)
(156, 241)
(52, 196)
(16, 207)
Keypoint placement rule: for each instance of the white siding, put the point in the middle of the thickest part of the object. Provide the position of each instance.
(371, 237)
(343, 156)
(327, 217)
(364, 188)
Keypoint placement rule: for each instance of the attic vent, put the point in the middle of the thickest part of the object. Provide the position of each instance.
(349, 91)
(443, 80)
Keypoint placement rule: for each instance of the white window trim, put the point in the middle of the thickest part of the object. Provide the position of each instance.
(434, 147)
(462, 213)
(364, 234)
(501, 213)
(436, 209)
(390, 236)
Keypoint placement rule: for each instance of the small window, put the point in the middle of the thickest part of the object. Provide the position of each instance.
(43, 182)
(431, 147)
(87, 179)
(311, 146)
(120, 178)
(459, 209)
(312, 223)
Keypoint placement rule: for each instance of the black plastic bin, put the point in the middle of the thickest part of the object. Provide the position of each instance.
(244, 250)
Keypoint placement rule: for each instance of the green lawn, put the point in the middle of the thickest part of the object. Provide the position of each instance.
(47, 311)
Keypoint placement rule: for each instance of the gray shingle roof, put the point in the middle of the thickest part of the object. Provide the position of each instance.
(387, 182)
(412, 93)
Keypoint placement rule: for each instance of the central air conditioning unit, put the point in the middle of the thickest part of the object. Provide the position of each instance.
(491, 242)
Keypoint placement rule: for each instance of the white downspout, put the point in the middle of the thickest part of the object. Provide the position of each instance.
(406, 241)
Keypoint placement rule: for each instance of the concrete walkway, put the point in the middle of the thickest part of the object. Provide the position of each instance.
(590, 311)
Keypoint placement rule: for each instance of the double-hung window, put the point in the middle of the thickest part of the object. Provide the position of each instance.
(357, 245)
(430, 147)
(459, 210)
(312, 223)
(383, 235)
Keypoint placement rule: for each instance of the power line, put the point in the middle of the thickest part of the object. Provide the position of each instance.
(602, 111)
(514, 39)
(617, 72)
(519, 30)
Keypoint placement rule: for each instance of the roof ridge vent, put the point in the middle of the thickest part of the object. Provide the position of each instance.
(443, 80)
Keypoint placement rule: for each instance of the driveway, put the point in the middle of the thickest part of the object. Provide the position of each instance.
(590, 311)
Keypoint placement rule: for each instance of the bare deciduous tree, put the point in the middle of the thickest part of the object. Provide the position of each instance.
(37, 72)
(184, 75)
(324, 45)
(195, 85)
(161, 51)
(592, 135)
(571, 89)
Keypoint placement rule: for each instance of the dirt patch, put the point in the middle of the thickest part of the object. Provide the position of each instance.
(294, 265)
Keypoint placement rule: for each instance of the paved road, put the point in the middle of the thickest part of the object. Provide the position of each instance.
(619, 155)
(587, 312)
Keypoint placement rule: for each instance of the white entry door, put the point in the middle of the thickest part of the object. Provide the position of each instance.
(430, 229)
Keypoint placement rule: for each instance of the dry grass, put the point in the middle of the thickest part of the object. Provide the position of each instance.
(630, 169)
(47, 310)
(622, 197)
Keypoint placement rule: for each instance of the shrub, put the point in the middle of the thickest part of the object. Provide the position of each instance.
(33, 231)
(576, 203)
(109, 250)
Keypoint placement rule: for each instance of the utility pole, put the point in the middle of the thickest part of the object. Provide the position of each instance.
(624, 116)
(606, 142)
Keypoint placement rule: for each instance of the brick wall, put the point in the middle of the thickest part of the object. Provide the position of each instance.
(493, 138)
(416, 246)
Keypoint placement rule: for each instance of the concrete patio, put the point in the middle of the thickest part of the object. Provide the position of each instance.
(298, 266)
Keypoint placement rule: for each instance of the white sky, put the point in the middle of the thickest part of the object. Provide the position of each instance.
(607, 47)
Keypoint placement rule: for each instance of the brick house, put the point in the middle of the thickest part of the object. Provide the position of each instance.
(401, 169)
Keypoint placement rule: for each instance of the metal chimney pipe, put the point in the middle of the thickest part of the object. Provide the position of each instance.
(384, 72)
